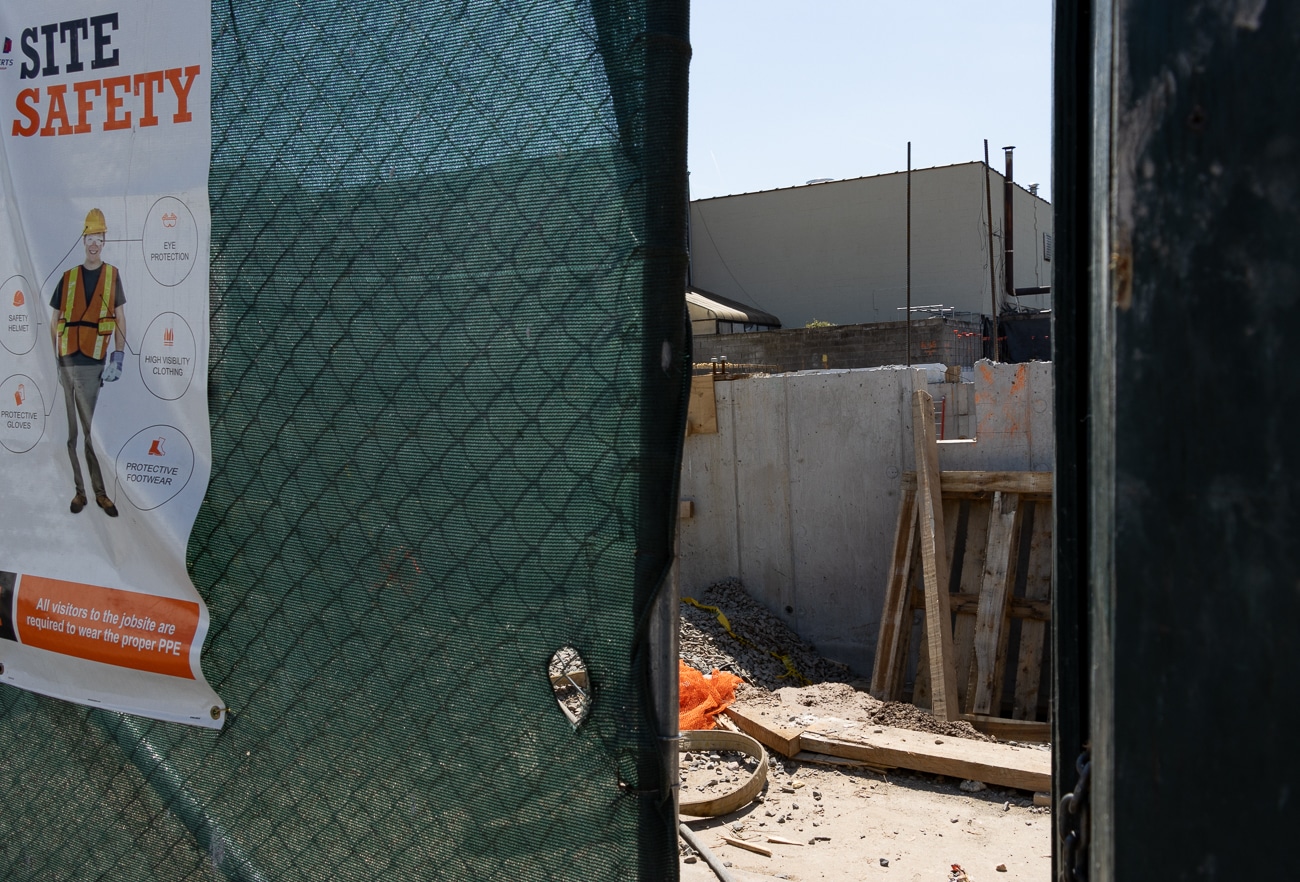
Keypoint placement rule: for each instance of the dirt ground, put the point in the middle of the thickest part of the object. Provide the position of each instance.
(858, 820)
(846, 823)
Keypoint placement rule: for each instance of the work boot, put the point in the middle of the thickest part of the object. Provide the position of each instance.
(78, 502)
(106, 504)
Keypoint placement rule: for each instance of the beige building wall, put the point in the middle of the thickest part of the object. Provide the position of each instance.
(837, 251)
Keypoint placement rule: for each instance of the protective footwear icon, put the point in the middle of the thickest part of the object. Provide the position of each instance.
(156, 448)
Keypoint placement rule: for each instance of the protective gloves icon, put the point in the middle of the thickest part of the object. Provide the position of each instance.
(113, 368)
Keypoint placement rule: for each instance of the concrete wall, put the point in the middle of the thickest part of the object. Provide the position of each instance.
(838, 251)
(850, 346)
(797, 493)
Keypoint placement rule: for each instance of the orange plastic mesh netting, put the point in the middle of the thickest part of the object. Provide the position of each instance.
(702, 699)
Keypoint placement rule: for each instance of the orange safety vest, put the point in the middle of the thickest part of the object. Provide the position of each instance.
(91, 336)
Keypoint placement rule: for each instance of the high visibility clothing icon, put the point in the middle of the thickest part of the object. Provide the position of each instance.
(156, 449)
(169, 337)
(19, 299)
(20, 394)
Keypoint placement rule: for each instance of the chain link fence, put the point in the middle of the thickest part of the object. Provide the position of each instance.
(447, 389)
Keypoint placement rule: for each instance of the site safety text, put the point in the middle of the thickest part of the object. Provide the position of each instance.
(105, 103)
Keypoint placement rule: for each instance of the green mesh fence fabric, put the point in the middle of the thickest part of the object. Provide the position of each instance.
(448, 379)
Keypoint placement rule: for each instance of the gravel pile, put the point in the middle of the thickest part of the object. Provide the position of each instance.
(902, 715)
(832, 688)
(705, 643)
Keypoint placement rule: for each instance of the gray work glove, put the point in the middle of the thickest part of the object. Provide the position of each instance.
(113, 367)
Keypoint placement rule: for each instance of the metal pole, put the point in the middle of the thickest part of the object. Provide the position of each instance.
(690, 239)
(664, 637)
(909, 253)
(993, 275)
(226, 854)
(695, 842)
(1008, 229)
(1008, 234)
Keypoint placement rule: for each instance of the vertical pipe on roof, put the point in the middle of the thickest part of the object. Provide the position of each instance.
(1008, 240)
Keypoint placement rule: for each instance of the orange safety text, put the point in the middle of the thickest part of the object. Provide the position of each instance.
(107, 104)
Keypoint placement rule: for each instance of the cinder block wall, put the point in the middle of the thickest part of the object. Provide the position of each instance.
(934, 340)
(797, 493)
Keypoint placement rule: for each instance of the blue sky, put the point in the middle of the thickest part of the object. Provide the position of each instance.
(783, 92)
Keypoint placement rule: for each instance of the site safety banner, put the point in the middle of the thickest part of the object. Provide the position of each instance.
(105, 449)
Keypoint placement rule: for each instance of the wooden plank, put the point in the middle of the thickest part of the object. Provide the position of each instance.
(748, 846)
(976, 521)
(825, 759)
(1000, 656)
(1034, 609)
(1019, 607)
(1003, 655)
(1023, 768)
(909, 622)
(896, 613)
(763, 728)
(934, 561)
(1020, 483)
(702, 408)
(990, 621)
(952, 527)
(921, 684)
(1038, 586)
(984, 484)
(1010, 730)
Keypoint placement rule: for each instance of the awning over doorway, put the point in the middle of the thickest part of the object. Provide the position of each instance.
(714, 314)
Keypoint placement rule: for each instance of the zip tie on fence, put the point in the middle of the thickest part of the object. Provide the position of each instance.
(790, 669)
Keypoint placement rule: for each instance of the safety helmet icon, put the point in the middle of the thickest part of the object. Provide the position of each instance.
(95, 222)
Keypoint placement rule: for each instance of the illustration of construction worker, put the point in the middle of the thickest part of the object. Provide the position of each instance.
(89, 312)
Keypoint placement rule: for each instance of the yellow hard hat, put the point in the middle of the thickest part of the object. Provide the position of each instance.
(95, 222)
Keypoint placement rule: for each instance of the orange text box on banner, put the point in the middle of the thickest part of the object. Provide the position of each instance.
(123, 628)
